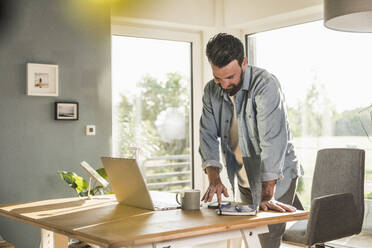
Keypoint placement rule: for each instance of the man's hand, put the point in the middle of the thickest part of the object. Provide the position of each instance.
(268, 202)
(215, 186)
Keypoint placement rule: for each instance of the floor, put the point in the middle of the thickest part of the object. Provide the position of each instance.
(362, 240)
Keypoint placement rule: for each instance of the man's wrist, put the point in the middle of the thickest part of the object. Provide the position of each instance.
(268, 190)
(213, 174)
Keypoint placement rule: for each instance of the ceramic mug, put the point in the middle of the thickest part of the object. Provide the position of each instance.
(190, 199)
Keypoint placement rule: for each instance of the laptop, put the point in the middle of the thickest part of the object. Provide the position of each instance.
(130, 188)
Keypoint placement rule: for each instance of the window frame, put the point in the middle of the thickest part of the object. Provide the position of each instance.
(124, 29)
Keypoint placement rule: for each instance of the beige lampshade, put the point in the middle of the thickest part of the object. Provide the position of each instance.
(348, 15)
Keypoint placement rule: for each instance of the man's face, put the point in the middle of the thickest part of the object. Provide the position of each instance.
(229, 77)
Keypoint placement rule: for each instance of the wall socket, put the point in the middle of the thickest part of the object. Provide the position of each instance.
(90, 130)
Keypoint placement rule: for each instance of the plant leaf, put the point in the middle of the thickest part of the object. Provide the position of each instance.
(102, 172)
(81, 183)
(74, 181)
(68, 177)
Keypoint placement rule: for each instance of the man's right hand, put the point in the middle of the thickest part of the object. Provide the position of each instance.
(215, 186)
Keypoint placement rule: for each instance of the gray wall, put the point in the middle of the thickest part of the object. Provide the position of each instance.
(33, 146)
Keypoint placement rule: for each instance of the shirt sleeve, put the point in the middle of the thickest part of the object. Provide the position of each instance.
(272, 129)
(209, 144)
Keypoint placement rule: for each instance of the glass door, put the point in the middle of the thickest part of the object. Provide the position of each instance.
(151, 102)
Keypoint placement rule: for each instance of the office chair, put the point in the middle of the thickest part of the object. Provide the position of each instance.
(337, 199)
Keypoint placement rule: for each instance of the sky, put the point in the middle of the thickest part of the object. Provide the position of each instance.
(306, 53)
(133, 58)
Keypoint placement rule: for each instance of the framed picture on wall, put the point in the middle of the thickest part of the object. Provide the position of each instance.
(66, 111)
(42, 79)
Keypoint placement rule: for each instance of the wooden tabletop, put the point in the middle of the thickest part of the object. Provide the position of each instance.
(104, 222)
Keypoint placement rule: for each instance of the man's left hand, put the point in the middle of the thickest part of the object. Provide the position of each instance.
(268, 202)
(276, 206)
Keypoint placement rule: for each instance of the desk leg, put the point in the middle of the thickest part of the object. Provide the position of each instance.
(234, 243)
(250, 237)
(53, 240)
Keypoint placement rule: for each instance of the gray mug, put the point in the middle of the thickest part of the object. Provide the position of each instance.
(190, 199)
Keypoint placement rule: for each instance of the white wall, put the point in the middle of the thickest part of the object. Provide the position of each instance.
(198, 13)
(240, 13)
(205, 14)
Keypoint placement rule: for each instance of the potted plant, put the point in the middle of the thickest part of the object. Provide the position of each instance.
(80, 185)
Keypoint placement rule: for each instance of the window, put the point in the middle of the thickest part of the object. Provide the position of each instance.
(326, 79)
(151, 101)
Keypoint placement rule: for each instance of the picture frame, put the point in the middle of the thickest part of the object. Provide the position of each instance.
(66, 111)
(42, 79)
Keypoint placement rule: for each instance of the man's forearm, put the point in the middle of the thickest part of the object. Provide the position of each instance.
(213, 174)
(268, 190)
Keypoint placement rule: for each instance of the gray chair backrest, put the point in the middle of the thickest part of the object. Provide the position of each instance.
(340, 170)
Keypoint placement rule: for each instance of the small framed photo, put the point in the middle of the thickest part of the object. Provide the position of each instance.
(42, 79)
(66, 111)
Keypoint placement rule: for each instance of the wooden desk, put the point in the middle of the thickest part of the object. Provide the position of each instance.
(104, 222)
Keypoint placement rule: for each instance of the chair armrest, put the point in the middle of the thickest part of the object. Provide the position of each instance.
(332, 217)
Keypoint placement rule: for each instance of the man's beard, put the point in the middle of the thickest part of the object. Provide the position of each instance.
(233, 90)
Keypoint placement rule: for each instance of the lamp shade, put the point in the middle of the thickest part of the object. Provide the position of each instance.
(348, 15)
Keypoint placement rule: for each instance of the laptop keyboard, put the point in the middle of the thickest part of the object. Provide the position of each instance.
(164, 200)
(163, 205)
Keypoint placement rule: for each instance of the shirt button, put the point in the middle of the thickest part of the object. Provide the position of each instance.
(249, 116)
(227, 121)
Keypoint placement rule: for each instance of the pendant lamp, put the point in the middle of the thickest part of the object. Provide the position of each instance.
(348, 15)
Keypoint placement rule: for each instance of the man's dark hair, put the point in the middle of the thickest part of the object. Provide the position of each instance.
(224, 48)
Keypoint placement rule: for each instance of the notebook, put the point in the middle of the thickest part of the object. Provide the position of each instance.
(130, 188)
(233, 208)
(236, 209)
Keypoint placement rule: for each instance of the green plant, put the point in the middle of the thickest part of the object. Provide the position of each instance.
(80, 185)
(368, 195)
(300, 185)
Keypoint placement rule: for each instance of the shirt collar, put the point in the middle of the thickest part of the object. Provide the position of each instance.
(247, 78)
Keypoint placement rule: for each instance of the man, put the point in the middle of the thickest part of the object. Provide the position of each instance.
(244, 107)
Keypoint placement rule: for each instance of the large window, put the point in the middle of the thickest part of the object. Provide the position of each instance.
(152, 108)
(326, 79)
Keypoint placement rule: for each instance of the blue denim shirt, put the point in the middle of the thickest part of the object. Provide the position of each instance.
(264, 134)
